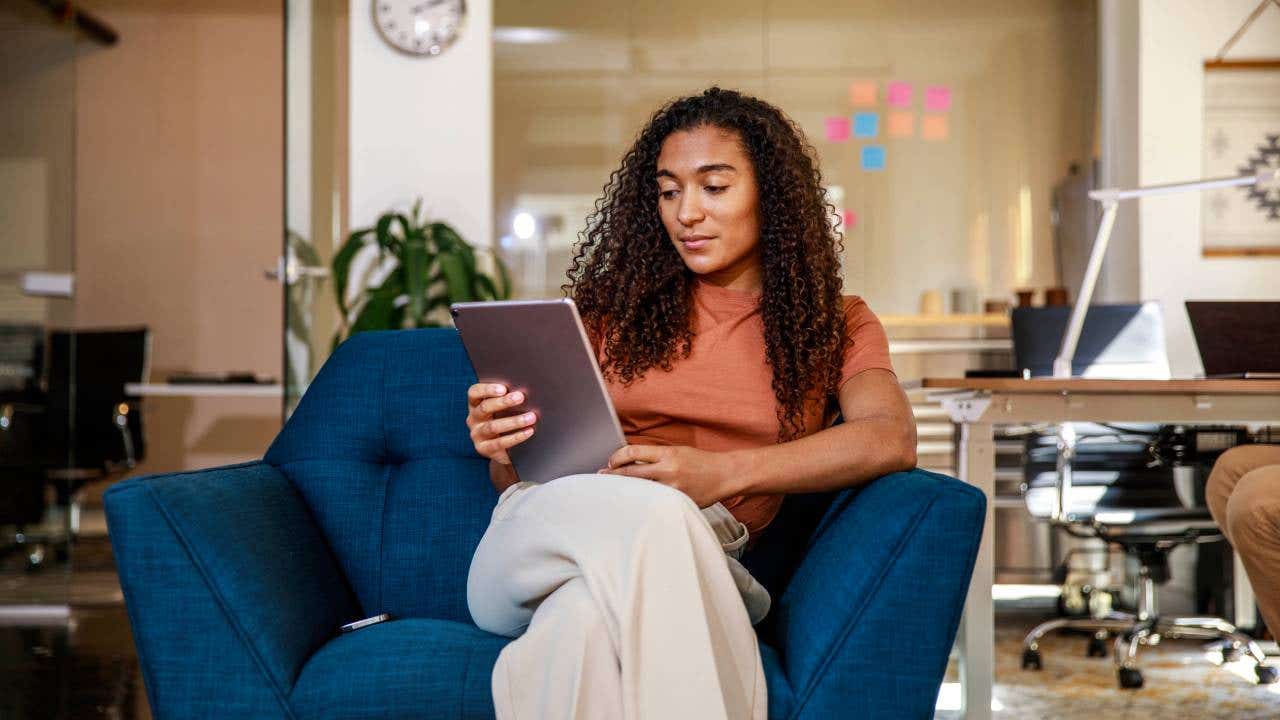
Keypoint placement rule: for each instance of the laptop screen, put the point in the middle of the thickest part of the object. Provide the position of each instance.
(1117, 341)
(1236, 337)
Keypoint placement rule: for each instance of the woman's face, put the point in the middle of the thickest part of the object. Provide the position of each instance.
(709, 205)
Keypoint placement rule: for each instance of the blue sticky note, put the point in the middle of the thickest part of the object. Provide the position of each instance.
(873, 157)
(866, 124)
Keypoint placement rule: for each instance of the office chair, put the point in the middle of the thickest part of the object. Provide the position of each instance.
(105, 431)
(1117, 484)
(22, 448)
(82, 427)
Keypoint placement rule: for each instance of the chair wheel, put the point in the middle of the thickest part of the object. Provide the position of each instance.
(1097, 647)
(1266, 674)
(1230, 653)
(1130, 678)
(1031, 660)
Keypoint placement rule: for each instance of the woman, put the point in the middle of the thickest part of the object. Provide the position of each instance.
(708, 278)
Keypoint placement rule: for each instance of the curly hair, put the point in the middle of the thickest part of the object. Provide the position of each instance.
(634, 291)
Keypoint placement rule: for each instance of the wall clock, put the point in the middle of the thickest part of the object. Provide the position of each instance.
(419, 27)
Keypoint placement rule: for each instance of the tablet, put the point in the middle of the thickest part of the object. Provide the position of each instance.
(539, 347)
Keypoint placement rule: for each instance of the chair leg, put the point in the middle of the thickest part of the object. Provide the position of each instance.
(1101, 627)
(1209, 628)
(1127, 671)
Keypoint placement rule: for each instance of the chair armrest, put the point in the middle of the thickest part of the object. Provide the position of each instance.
(871, 613)
(229, 586)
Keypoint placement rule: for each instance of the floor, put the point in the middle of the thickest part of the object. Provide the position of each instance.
(80, 663)
(1182, 680)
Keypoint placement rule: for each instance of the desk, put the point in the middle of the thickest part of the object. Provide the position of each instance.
(976, 404)
(243, 390)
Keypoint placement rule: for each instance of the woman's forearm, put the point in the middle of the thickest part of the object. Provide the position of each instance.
(502, 476)
(841, 456)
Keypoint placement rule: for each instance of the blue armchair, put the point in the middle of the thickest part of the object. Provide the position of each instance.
(371, 500)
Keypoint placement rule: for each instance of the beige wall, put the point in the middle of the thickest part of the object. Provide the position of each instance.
(179, 200)
(943, 215)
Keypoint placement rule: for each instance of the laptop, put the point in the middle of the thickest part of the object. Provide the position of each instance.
(1117, 341)
(1237, 339)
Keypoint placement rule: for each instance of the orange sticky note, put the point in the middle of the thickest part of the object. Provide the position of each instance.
(862, 93)
(934, 127)
(901, 124)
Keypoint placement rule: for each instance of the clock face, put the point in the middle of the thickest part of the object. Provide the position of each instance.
(419, 27)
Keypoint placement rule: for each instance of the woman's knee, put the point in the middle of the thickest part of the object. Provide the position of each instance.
(1253, 509)
(1226, 472)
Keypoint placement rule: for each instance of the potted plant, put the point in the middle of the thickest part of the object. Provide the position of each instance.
(404, 272)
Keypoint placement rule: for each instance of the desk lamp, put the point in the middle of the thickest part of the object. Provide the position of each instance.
(1110, 199)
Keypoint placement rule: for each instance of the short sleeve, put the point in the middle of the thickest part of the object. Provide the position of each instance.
(866, 344)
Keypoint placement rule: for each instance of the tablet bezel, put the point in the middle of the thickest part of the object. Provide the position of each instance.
(530, 345)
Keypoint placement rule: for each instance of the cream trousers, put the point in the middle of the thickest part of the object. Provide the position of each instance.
(623, 603)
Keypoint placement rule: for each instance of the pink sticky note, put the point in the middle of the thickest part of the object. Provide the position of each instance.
(901, 124)
(934, 127)
(937, 97)
(849, 220)
(898, 94)
(838, 128)
(862, 93)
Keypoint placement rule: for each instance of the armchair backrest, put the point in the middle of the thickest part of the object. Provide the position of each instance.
(379, 451)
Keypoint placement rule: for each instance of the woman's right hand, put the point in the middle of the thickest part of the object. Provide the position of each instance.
(492, 436)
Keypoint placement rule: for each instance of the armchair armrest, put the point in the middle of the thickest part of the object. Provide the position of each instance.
(872, 611)
(229, 585)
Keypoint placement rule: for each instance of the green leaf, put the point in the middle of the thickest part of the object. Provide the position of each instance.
(378, 312)
(342, 265)
(456, 278)
(415, 276)
(503, 275)
(486, 289)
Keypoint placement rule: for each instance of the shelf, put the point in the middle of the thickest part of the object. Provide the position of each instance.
(1000, 320)
(242, 390)
(903, 347)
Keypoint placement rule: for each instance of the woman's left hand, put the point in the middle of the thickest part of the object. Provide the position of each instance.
(706, 477)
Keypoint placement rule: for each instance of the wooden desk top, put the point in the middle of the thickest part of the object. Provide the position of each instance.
(1099, 386)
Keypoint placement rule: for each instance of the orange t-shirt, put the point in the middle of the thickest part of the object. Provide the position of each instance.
(720, 398)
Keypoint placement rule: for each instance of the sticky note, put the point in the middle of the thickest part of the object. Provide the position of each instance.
(873, 157)
(838, 129)
(849, 220)
(862, 93)
(937, 98)
(898, 94)
(901, 124)
(866, 124)
(934, 127)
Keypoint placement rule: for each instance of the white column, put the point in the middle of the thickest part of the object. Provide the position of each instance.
(423, 126)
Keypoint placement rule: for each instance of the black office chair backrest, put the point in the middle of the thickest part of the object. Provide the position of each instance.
(1117, 341)
(88, 370)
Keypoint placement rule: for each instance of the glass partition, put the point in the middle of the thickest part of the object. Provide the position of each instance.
(942, 129)
(38, 516)
(315, 172)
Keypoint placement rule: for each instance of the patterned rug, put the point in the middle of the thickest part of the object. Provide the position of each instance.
(1182, 680)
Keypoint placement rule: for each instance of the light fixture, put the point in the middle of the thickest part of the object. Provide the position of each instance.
(524, 226)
